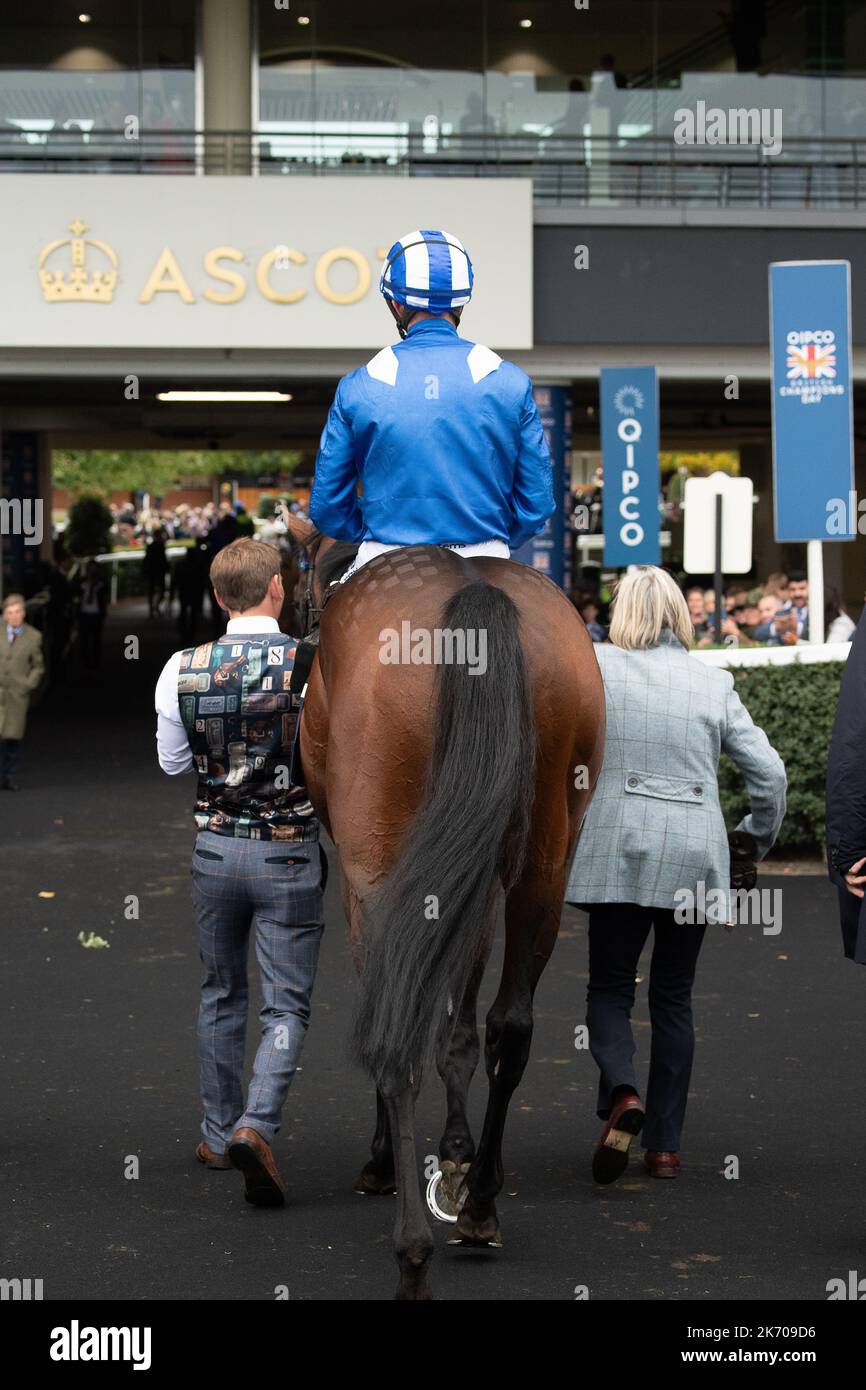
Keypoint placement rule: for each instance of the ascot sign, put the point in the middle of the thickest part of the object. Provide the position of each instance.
(122, 261)
(96, 285)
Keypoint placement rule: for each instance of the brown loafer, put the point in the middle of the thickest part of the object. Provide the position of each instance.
(205, 1154)
(251, 1155)
(610, 1159)
(662, 1165)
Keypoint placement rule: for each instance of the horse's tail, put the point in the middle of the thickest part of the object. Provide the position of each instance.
(425, 928)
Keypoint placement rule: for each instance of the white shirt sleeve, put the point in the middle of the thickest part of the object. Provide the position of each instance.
(172, 743)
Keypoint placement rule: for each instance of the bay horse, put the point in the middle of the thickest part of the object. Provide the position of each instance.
(444, 786)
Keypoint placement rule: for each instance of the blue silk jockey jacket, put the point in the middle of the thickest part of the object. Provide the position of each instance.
(447, 443)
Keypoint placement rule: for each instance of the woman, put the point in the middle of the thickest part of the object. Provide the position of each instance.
(654, 829)
(838, 627)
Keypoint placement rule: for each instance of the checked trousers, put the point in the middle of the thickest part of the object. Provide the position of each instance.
(271, 890)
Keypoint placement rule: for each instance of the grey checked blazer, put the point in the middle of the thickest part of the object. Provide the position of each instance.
(655, 824)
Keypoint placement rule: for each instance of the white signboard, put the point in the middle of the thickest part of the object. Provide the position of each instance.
(699, 540)
(102, 261)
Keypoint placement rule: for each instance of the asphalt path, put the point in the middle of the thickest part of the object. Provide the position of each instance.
(99, 1068)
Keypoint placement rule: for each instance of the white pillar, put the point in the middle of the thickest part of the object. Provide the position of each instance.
(815, 575)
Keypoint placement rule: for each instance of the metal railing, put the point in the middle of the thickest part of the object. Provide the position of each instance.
(572, 170)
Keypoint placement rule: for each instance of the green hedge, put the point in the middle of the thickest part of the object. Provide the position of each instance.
(795, 706)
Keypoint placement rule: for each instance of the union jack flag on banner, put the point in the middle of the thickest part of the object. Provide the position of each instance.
(811, 360)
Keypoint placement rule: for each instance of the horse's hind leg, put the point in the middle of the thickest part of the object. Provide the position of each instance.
(532, 916)
(413, 1240)
(456, 1060)
(377, 1176)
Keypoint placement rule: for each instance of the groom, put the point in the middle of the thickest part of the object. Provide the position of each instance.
(226, 710)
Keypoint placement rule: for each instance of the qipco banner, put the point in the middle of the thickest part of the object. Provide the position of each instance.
(813, 438)
(549, 551)
(630, 455)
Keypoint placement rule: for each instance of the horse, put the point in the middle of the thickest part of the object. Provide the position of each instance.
(445, 785)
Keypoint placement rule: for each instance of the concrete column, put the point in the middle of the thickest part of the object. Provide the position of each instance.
(226, 51)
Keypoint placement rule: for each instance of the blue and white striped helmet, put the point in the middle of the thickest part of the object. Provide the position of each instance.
(428, 270)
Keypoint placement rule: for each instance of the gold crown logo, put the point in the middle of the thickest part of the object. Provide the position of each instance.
(96, 288)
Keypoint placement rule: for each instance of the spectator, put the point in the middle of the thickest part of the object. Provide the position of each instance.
(225, 531)
(587, 607)
(846, 799)
(246, 525)
(791, 623)
(838, 627)
(21, 670)
(188, 583)
(697, 605)
(155, 569)
(768, 606)
(653, 831)
(92, 607)
(777, 584)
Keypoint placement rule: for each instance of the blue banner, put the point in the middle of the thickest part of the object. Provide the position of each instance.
(813, 448)
(630, 455)
(549, 551)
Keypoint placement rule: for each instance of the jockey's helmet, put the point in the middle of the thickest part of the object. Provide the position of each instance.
(428, 270)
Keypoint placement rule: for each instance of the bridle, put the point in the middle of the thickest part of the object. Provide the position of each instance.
(309, 613)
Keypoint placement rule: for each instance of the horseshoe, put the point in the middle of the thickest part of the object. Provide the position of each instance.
(431, 1199)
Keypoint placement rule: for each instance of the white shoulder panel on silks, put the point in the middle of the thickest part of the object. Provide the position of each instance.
(482, 361)
(383, 367)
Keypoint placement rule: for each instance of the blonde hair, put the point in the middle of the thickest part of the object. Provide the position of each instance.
(648, 600)
(13, 598)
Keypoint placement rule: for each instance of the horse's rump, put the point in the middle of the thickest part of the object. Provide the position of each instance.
(431, 774)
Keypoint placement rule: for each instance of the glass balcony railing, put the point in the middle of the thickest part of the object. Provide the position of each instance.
(713, 140)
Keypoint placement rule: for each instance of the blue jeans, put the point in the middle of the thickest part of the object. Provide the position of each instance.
(617, 934)
(273, 888)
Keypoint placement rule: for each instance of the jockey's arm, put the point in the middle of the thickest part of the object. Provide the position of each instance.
(334, 505)
(532, 500)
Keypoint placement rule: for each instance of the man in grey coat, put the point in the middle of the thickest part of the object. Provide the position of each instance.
(21, 670)
(653, 854)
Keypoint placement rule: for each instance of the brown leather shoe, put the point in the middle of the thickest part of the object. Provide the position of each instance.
(611, 1156)
(205, 1154)
(251, 1155)
(662, 1165)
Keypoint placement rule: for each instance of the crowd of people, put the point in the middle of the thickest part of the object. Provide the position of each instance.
(772, 614)
(224, 521)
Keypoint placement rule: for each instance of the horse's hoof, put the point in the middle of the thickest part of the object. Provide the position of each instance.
(373, 1184)
(451, 1192)
(470, 1232)
(413, 1293)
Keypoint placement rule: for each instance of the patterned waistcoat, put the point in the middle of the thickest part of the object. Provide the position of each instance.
(241, 717)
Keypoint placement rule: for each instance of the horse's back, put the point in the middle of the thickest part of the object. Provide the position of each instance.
(376, 688)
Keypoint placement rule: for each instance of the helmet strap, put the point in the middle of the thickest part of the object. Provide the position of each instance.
(404, 314)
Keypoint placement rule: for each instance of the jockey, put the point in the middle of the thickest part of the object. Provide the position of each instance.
(443, 435)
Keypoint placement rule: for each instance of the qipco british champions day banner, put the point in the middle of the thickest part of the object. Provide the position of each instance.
(630, 454)
(813, 452)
